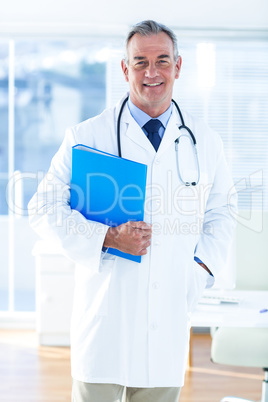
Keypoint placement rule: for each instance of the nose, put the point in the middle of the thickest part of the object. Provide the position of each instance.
(151, 71)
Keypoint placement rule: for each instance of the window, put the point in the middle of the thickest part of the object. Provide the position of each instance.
(4, 233)
(45, 86)
(58, 84)
(234, 102)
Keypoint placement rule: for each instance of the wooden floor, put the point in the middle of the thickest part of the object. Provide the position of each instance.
(31, 373)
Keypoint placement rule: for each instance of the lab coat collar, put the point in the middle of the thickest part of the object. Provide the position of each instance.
(171, 133)
(135, 133)
(130, 128)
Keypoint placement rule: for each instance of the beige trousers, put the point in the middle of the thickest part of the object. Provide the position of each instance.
(85, 392)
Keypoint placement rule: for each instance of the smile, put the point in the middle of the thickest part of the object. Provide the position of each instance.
(153, 85)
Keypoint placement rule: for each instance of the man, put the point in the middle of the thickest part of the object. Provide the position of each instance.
(130, 322)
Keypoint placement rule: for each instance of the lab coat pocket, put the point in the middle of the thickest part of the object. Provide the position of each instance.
(102, 284)
(196, 286)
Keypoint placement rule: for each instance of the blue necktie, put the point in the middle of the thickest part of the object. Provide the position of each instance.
(152, 127)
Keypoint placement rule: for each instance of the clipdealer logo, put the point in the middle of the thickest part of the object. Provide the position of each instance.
(250, 197)
(167, 227)
(159, 200)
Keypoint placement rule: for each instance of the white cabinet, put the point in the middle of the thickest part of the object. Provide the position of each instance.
(54, 295)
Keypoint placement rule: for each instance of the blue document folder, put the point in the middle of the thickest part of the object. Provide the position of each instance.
(107, 189)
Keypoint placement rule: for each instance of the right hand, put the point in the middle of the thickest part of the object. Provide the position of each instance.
(131, 237)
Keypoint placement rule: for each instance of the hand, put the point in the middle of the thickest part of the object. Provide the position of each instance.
(131, 237)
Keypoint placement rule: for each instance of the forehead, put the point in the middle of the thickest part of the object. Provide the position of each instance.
(152, 45)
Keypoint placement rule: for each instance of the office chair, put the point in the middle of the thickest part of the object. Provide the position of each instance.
(246, 346)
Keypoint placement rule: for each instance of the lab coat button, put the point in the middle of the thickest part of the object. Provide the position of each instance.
(157, 243)
(155, 285)
(157, 161)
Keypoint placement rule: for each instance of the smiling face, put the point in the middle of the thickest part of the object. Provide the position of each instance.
(151, 72)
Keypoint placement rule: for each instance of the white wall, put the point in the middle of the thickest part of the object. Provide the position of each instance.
(56, 16)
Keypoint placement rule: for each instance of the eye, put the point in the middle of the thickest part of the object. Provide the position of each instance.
(140, 64)
(163, 62)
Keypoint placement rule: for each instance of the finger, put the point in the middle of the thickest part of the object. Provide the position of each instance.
(141, 225)
(143, 251)
(146, 237)
(142, 235)
(147, 244)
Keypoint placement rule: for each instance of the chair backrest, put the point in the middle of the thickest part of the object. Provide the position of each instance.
(252, 252)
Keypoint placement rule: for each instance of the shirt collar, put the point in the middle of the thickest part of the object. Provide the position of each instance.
(142, 117)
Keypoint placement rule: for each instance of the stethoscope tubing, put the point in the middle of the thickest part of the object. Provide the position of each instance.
(182, 126)
(118, 127)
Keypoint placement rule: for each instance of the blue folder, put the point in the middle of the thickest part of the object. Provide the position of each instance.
(107, 189)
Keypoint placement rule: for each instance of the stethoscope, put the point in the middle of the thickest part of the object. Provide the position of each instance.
(182, 126)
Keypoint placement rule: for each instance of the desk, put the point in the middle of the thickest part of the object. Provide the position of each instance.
(244, 314)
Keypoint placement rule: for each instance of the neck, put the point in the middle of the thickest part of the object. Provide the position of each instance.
(152, 110)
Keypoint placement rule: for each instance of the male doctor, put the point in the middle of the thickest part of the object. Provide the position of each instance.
(130, 321)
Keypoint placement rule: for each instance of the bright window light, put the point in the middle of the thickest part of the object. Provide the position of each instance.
(206, 65)
(69, 56)
(103, 55)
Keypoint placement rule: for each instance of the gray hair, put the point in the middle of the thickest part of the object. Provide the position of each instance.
(147, 28)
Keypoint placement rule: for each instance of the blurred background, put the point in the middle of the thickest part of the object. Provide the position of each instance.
(60, 65)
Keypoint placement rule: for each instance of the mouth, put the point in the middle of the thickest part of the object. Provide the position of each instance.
(157, 84)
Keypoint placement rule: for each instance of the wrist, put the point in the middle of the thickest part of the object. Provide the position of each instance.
(109, 238)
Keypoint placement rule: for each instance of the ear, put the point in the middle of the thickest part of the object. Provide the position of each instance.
(178, 67)
(124, 69)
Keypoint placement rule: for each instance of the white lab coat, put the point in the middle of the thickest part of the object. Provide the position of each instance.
(130, 321)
